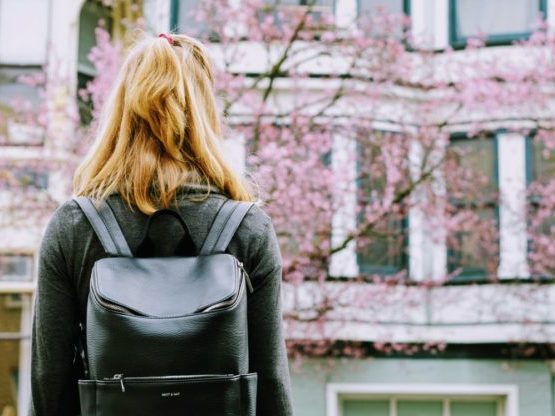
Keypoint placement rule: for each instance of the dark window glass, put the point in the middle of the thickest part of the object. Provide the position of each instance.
(362, 407)
(385, 253)
(319, 9)
(381, 248)
(316, 3)
(184, 16)
(501, 21)
(20, 178)
(16, 268)
(91, 14)
(474, 408)
(541, 161)
(18, 107)
(540, 216)
(420, 408)
(470, 247)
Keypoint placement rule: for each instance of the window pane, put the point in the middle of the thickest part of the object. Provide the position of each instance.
(543, 163)
(472, 193)
(15, 268)
(476, 156)
(328, 3)
(185, 20)
(29, 178)
(10, 323)
(419, 408)
(495, 17)
(390, 6)
(18, 107)
(381, 248)
(366, 408)
(18, 178)
(89, 18)
(473, 408)
(469, 251)
(384, 253)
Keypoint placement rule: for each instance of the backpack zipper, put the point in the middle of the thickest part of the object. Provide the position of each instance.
(119, 377)
(247, 277)
(228, 302)
(113, 306)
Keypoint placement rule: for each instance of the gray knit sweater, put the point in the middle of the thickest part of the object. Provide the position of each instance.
(68, 251)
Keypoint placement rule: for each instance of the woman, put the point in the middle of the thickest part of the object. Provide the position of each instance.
(158, 146)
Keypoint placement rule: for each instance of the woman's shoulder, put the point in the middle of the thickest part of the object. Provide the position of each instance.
(64, 214)
(254, 226)
(68, 215)
(262, 241)
(257, 217)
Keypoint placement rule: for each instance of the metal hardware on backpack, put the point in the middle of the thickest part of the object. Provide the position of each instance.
(167, 335)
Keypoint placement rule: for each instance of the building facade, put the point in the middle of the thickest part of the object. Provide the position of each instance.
(476, 375)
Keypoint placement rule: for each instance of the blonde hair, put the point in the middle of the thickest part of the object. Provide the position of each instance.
(159, 129)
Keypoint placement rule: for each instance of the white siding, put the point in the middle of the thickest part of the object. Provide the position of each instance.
(23, 31)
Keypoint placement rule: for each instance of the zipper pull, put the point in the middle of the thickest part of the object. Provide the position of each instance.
(247, 278)
(120, 378)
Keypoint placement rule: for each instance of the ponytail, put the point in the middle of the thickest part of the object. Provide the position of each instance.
(159, 129)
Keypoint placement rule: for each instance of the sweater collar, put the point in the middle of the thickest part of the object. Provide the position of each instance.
(199, 188)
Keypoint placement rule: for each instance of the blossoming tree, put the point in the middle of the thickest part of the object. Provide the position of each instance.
(350, 136)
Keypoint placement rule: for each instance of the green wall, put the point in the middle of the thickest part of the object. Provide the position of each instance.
(532, 377)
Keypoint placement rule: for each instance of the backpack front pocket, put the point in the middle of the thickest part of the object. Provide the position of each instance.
(173, 395)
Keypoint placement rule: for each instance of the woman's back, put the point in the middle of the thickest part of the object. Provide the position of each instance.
(68, 252)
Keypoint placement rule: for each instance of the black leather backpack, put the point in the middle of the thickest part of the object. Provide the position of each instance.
(167, 335)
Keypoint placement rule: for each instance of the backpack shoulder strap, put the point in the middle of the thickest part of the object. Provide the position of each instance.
(226, 222)
(105, 226)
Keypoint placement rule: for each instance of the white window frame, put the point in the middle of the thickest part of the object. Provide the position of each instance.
(507, 393)
(513, 235)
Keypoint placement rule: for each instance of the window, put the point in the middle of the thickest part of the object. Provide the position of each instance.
(384, 252)
(10, 337)
(501, 21)
(23, 178)
(382, 248)
(318, 9)
(19, 103)
(182, 16)
(183, 20)
(385, 19)
(472, 188)
(416, 406)
(14, 301)
(16, 268)
(91, 13)
(540, 161)
(14, 313)
(390, 6)
(316, 4)
(540, 171)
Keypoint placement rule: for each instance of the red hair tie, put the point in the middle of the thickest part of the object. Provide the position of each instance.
(168, 37)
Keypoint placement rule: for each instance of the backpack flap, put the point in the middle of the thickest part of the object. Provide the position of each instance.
(164, 287)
